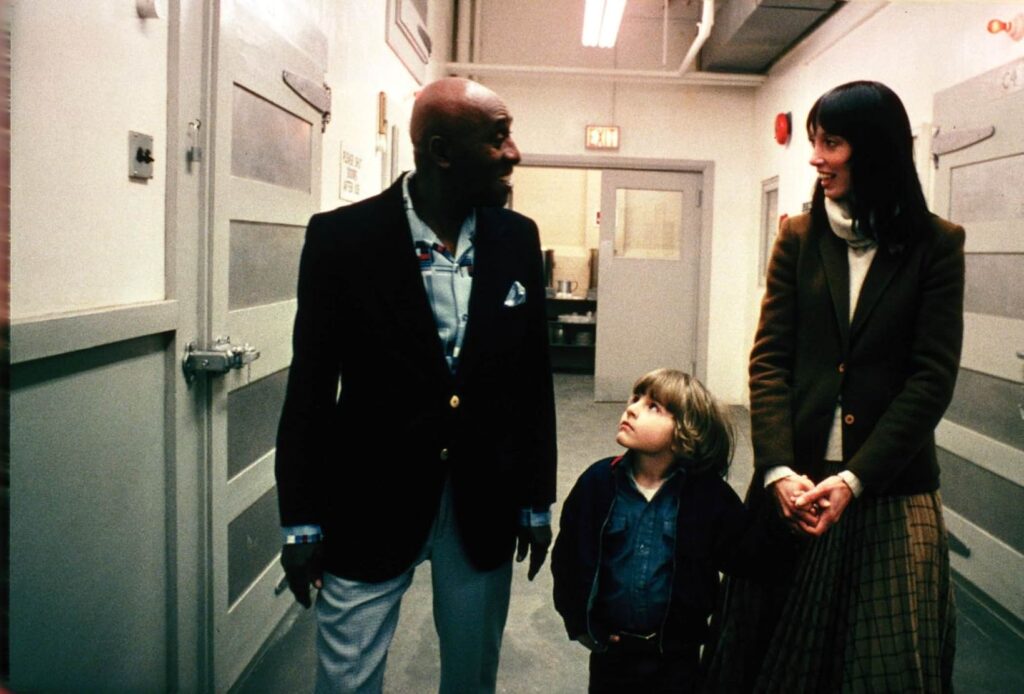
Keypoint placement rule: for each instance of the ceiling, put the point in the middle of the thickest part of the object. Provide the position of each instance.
(747, 37)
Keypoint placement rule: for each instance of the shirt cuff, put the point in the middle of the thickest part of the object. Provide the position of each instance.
(534, 517)
(301, 534)
(852, 481)
(774, 474)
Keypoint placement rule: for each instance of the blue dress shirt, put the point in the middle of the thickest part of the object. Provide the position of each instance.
(447, 277)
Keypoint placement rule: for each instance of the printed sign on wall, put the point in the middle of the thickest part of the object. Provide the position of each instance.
(349, 185)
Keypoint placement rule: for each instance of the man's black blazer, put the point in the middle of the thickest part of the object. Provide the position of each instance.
(368, 463)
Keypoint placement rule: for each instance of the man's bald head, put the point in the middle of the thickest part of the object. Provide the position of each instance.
(462, 139)
(449, 108)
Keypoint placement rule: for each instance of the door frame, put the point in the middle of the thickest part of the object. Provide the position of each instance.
(706, 170)
(191, 40)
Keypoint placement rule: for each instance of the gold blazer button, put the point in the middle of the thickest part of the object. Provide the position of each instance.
(454, 402)
(849, 419)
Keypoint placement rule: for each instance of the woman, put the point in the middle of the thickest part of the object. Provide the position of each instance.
(853, 365)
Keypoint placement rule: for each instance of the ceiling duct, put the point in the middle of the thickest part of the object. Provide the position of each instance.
(683, 75)
(750, 35)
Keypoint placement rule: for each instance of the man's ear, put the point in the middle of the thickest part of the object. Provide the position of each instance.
(439, 150)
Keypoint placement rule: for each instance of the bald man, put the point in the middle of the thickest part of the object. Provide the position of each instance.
(427, 302)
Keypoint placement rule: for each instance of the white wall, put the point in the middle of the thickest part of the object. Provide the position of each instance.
(361, 66)
(562, 218)
(82, 234)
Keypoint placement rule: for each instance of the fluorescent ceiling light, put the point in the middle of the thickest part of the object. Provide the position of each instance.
(601, 20)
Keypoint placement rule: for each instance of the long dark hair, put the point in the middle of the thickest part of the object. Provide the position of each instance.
(886, 199)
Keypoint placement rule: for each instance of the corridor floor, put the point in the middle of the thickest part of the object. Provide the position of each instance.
(536, 656)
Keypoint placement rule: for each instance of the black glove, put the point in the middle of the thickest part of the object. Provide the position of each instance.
(303, 564)
(591, 644)
(535, 540)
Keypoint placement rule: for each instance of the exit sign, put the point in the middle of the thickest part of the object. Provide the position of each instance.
(602, 137)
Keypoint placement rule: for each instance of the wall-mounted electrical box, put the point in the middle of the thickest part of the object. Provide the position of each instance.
(140, 155)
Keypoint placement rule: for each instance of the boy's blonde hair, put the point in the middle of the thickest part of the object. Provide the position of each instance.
(704, 436)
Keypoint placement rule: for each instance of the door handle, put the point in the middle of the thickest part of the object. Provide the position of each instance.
(1020, 405)
(218, 359)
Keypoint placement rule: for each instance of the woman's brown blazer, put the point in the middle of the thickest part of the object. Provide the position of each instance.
(893, 365)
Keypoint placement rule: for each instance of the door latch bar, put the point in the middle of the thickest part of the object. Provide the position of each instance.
(316, 95)
(218, 359)
(954, 140)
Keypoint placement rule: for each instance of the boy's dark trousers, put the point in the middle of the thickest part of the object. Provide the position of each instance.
(635, 666)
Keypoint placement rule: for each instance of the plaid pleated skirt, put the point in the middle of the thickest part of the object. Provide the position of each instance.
(869, 608)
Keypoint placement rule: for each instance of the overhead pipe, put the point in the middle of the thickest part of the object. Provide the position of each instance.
(664, 32)
(707, 20)
(464, 26)
(680, 76)
(478, 15)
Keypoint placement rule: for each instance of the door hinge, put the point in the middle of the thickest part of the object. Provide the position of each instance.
(316, 95)
(700, 197)
(194, 153)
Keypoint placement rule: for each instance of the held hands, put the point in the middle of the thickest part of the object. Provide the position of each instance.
(303, 564)
(830, 496)
(786, 491)
(535, 540)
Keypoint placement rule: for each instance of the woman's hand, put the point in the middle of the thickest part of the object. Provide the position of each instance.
(831, 496)
(787, 490)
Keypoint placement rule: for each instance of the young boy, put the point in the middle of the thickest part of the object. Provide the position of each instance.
(644, 535)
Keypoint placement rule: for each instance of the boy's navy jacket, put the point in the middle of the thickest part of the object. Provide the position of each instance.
(714, 533)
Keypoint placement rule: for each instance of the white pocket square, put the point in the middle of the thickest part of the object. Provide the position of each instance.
(516, 295)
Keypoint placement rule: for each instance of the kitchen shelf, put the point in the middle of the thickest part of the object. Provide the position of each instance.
(571, 341)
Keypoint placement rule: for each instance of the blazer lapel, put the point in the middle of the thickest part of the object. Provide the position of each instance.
(837, 272)
(487, 293)
(883, 269)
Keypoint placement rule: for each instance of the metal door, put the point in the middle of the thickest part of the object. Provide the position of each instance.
(265, 184)
(649, 264)
(979, 146)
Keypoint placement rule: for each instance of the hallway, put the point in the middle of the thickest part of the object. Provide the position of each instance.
(536, 655)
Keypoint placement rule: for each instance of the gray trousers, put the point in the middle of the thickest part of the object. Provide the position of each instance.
(356, 621)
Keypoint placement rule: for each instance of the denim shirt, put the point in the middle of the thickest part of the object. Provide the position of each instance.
(637, 554)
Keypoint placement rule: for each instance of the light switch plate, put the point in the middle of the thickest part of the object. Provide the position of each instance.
(140, 155)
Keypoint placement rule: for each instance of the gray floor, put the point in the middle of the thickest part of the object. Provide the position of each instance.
(536, 655)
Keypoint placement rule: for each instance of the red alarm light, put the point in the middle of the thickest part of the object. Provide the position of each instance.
(783, 127)
(995, 26)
